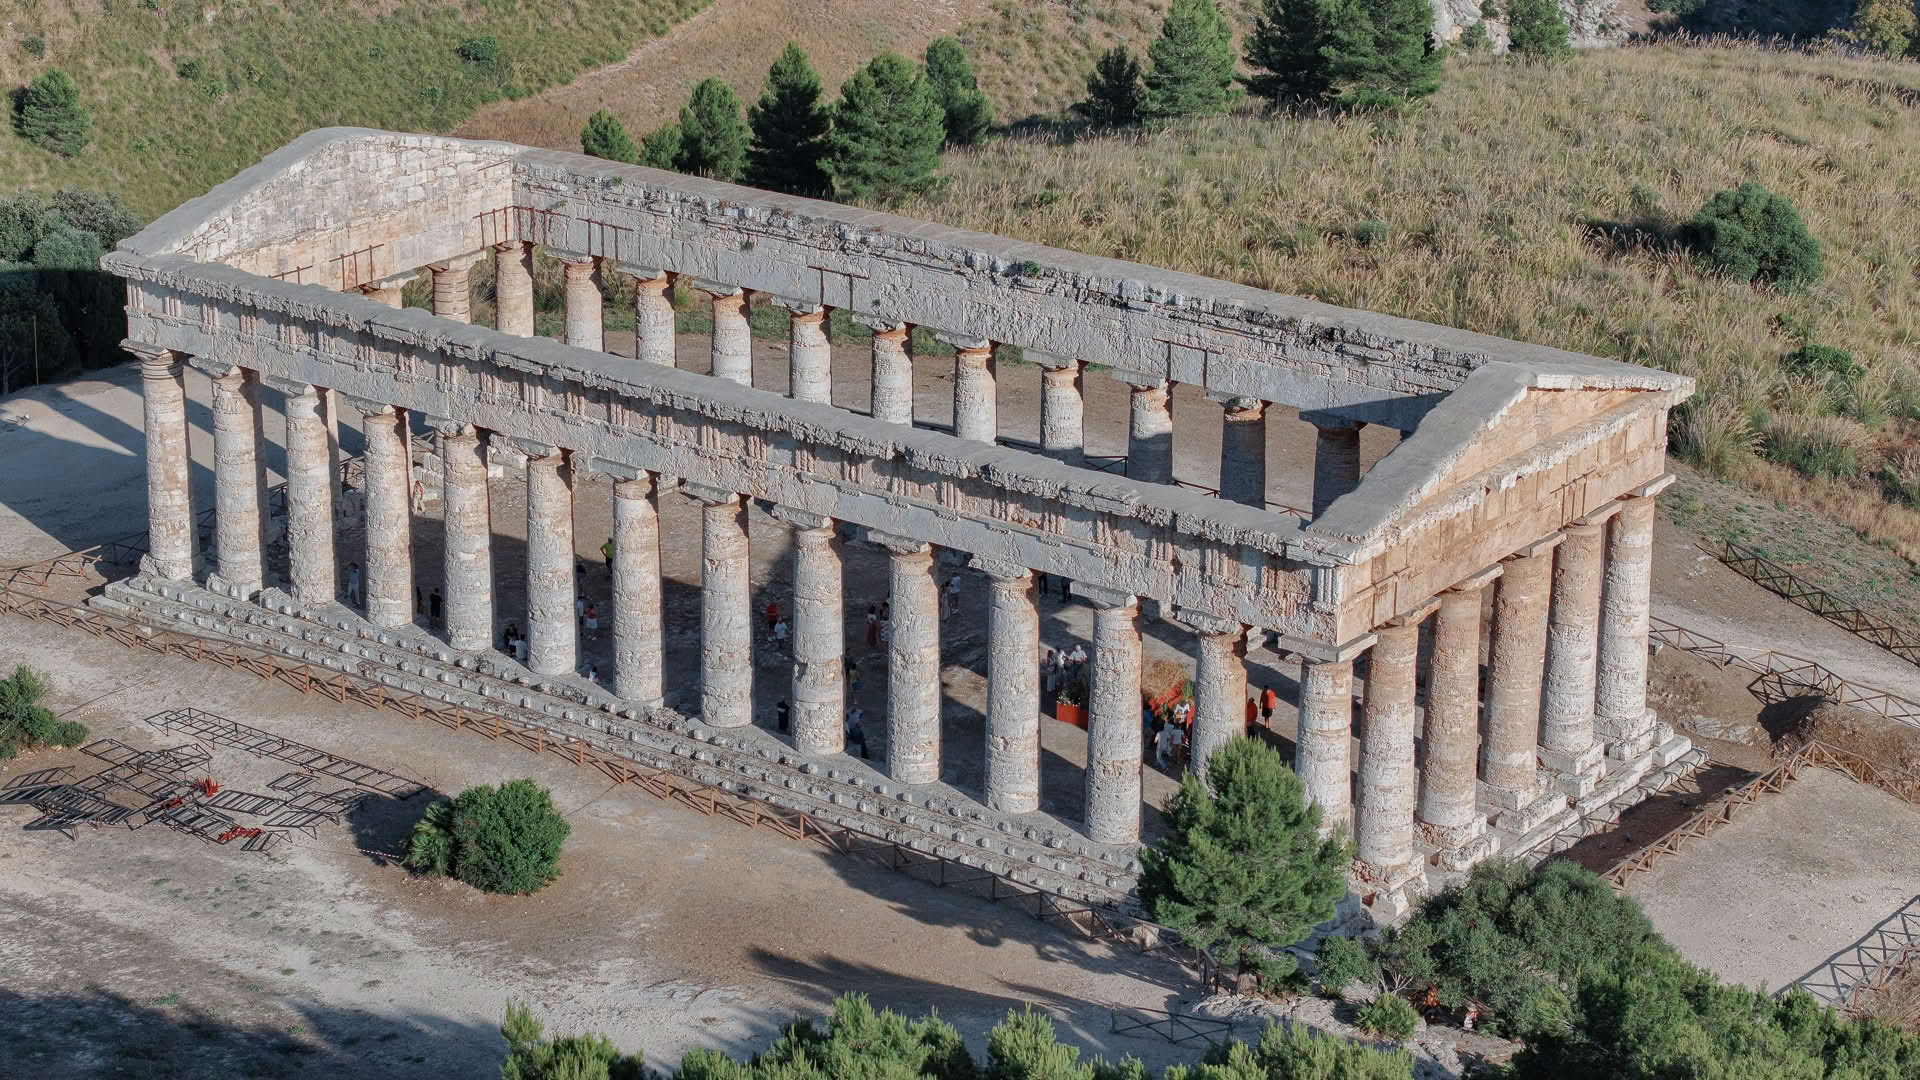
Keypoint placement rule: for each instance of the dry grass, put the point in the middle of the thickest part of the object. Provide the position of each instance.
(734, 39)
(1537, 203)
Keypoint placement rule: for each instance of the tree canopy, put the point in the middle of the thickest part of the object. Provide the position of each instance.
(887, 133)
(1193, 62)
(790, 123)
(713, 136)
(967, 111)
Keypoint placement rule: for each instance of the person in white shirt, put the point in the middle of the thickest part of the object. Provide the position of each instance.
(780, 632)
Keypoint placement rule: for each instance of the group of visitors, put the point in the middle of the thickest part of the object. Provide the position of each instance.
(1063, 677)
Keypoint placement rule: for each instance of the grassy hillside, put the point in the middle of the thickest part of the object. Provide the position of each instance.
(261, 71)
(1538, 203)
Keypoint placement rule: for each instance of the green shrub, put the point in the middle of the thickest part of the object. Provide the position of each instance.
(1537, 28)
(713, 133)
(48, 113)
(1193, 60)
(1475, 37)
(968, 114)
(1115, 95)
(1824, 362)
(25, 724)
(192, 70)
(887, 133)
(483, 51)
(570, 1057)
(661, 148)
(605, 137)
(1277, 973)
(790, 123)
(1388, 1015)
(503, 840)
(1341, 962)
(1751, 234)
(36, 46)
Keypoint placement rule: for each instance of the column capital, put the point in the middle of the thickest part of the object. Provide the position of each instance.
(715, 288)
(1414, 615)
(448, 427)
(1652, 487)
(367, 406)
(879, 324)
(289, 387)
(1328, 422)
(1104, 598)
(1141, 384)
(1586, 530)
(641, 275)
(217, 368)
(711, 496)
(1238, 403)
(1320, 652)
(1201, 622)
(612, 470)
(963, 342)
(1052, 362)
(1539, 547)
(1478, 580)
(534, 449)
(464, 261)
(153, 355)
(795, 305)
(899, 545)
(391, 281)
(575, 262)
(1000, 569)
(800, 519)
(1597, 518)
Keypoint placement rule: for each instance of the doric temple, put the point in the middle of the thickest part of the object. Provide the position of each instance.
(1522, 473)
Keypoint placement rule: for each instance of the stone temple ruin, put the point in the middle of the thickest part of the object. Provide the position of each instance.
(1523, 470)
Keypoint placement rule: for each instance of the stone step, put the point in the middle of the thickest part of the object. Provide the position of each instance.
(747, 762)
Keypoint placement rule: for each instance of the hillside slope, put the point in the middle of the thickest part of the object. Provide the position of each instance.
(1539, 203)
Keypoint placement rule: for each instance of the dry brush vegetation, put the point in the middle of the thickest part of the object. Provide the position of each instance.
(1541, 203)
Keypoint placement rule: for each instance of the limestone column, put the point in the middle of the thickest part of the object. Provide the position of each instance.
(726, 620)
(236, 474)
(1384, 826)
(637, 630)
(1516, 651)
(1448, 807)
(1150, 434)
(585, 319)
(1062, 411)
(809, 356)
(913, 663)
(1219, 685)
(468, 537)
(732, 338)
(819, 636)
(310, 558)
(1567, 747)
(1113, 722)
(1013, 688)
(513, 288)
(976, 402)
(170, 524)
(330, 428)
(389, 580)
(453, 288)
(1323, 753)
(1336, 462)
(653, 321)
(1243, 452)
(892, 375)
(552, 640)
(1621, 716)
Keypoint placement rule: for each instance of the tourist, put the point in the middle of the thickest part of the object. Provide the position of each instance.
(856, 730)
(873, 627)
(1050, 676)
(592, 617)
(1065, 594)
(1163, 743)
(511, 635)
(353, 583)
(419, 602)
(1268, 700)
(593, 673)
(434, 605)
(780, 632)
(419, 497)
(951, 596)
(1253, 712)
(782, 713)
(606, 551)
(773, 615)
(580, 611)
(1079, 655)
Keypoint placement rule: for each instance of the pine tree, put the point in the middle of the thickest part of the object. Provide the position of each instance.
(1381, 53)
(1243, 863)
(661, 149)
(1192, 63)
(790, 125)
(1285, 48)
(1114, 93)
(968, 114)
(48, 112)
(887, 133)
(605, 137)
(1537, 28)
(713, 137)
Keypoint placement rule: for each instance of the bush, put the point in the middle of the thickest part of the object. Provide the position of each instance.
(887, 133)
(48, 113)
(25, 724)
(1824, 362)
(661, 149)
(1388, 1015)
(36, 46)
(1341, 962)
(968, 114)
(1193, 62)
(503, 840)
(605, 137)
(571, 1057)
(1475, 37)
(191, 70)
(1115, 95)
(1537, 28)
(1380, 55)
(481, 51)
(1751, 234)
(713, 134)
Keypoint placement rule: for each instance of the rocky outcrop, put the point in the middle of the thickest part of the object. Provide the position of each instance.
(1593, 23)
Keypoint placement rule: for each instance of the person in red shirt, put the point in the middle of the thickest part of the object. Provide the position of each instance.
(1268, 699)
(1253, 712)
(773, 616)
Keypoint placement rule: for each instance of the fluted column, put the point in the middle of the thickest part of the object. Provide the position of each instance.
(453, 288)
(468, 527)
(1516, 651)
(1062, 411)
(1567, 746)
(310, 558)
(586, 321)
(819, 635)
(1219, 685)
(809, 356)
(976, 401)
(892, 375)
(1113, 721)
(170, 524)
(913, 662)
(1448, 806)
(726, 618)
(732, 338)
(1336, 462)
(653, 320)
(1150, 434)
(389, 516)
(1013, 688)
(513, 288)
(1243, 452)
(1384, 827)
(637, 629)
(238, 494)
(1621, 717)
(1323, 753)
(552, 639)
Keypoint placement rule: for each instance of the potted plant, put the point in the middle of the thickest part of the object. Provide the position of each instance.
(1070, 707)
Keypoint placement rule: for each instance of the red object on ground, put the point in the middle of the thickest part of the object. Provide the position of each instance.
(1069, 714)
(207, 786)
